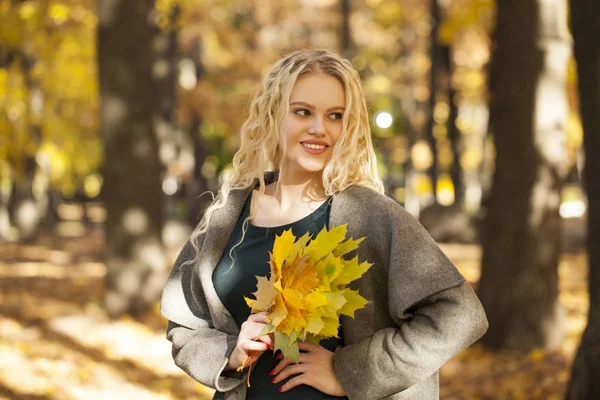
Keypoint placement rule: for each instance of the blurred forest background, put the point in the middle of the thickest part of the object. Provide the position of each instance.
(116, 116)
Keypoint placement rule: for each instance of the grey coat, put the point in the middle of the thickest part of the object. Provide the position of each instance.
(421, 311)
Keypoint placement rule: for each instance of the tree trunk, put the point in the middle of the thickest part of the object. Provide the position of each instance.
(585, 376)
(165, 73)
(434, 54)
(521, 234)
(166, 57)
(347, 47)
(198, 185)
(453, 132)
(26, 209)
(25, 212)
(135, 259)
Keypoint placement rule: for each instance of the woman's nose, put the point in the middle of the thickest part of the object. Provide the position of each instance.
(316, 126)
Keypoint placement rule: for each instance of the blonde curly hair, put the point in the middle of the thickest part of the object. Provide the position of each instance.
(353, 160)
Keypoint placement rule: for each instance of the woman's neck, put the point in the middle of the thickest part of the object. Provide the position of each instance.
(295, 189)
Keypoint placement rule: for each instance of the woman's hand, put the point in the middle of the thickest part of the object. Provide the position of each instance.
(314, 368)
(248, 344)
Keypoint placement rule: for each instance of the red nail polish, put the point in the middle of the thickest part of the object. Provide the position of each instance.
(279, 356)
(279, 390)
(273, 380)
(272, 371)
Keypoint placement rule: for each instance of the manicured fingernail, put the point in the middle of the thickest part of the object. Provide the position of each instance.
(279, 356)
(280, 390)
(273, 380)
(272, 371)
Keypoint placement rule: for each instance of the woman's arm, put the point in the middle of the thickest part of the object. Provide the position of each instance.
(198, 349)
(203, 353)
(435, 312)
(208, 355)
(393, 359)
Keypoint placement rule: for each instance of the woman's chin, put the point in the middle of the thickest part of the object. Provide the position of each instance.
(305, 167)
(312, 169)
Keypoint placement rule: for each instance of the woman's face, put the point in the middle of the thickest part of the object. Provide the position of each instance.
(314, 123)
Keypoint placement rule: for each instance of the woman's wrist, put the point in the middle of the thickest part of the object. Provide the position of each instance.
(234, 360)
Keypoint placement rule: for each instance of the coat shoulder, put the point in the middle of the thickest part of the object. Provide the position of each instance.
(372, 204)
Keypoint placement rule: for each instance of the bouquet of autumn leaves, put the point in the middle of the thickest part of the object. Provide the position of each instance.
(307, 291)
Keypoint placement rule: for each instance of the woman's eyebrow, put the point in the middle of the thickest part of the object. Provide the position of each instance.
(301, 103)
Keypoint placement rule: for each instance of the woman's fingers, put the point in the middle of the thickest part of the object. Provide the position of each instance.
(268, 340)
(259, 317)
(252, 345)
(248, 342)
(295, 381)
(280, 365)
(253, 326)
(302, 359)
(293, 369)
(315, 369)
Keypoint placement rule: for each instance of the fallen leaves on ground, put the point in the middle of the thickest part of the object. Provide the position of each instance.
(483, 374)
(56, 342)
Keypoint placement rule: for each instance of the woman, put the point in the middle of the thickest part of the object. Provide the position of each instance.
(309, 120)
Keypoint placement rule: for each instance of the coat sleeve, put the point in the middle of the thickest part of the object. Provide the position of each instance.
(198, 349)
(435, 312)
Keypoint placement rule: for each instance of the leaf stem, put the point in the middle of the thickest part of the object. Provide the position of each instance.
(248, 362)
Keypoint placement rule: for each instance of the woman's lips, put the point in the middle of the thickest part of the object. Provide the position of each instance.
(314, 151)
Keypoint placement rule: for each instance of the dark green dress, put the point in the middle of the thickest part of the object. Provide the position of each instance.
(233, 282)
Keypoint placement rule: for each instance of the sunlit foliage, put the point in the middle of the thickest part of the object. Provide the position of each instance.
(49, 82)
(238, 40)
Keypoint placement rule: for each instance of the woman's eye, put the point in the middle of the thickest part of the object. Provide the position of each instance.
(337, 115)
(302, 112)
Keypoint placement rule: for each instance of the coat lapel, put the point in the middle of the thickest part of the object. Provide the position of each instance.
(219, 232)
(221, 228)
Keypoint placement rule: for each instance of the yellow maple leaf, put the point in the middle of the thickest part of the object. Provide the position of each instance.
(331, 327)
(325, 242)
(315, 324)
(352, 270)
(282, 247)
(300, 276)
(298, 247)
(265, 295)
(330, 269)
(335, 300)
(293, 301)
(347, 246)
(314, 300)
(279, 311)
(287, 347)
(306, 292)
(275, 274)
(293, 322)
(354, 301)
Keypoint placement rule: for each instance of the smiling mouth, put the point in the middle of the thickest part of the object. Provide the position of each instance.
(314, 146)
